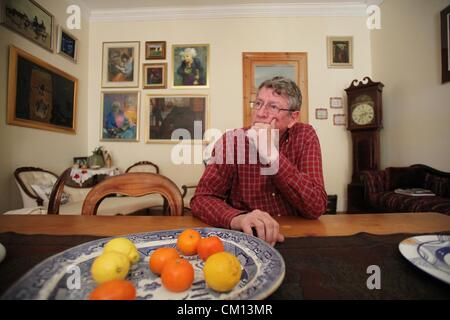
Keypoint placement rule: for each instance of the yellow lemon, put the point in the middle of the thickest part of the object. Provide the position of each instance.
(110, 266)
(123, 246)
(222, 271)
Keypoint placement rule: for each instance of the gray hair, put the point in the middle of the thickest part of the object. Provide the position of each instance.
(287, 88)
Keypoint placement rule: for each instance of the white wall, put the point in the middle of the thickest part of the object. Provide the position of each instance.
(406, 57)
(228, 38)
(32, 147)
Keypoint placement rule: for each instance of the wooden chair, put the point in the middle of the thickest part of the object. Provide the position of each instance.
(143, 166)
(135, 185)
(58, 189)
(26, 177)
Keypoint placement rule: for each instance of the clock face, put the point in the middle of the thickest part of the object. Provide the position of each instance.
(363, 114)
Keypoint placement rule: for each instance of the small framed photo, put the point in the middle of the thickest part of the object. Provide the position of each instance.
(339, 119)
(67, 44)
(321, 113)
(155, 76)
(340, 52)
(120, 116)
(155, 50)
(80, 162)
(120, 64)
(190, 65)
(171, 118)
(336, 102)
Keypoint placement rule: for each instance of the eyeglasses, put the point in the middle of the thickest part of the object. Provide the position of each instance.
(271, 107)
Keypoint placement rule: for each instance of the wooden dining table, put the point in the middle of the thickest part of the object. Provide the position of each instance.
(326, 258)
(325, 226)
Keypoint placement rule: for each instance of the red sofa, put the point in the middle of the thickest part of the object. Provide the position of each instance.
(379, 186)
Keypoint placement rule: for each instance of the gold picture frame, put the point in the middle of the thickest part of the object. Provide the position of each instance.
(155, 50)
(190, 64)
(167, 112)
(40, 95)
(340, 52)
(120, 116)
(120, 64)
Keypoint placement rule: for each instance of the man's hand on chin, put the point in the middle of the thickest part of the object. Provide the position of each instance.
(262, 136)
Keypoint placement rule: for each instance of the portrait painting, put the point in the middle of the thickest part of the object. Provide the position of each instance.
(173, 118)
(40, 95)
(30, 20)
(155, 76)
(155, 50)
(190, 65)
(120, 64)
(120, 116)
(67, 44)
(340, 52)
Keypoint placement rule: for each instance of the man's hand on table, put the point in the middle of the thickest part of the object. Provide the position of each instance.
(266, 227)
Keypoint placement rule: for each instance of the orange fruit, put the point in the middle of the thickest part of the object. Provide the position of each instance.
(114, 290)
(209, 246)
(159, 258)
(187, 242)
(177, 275)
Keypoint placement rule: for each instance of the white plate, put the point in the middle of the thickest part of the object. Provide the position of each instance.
(263, 269)
(430, 253)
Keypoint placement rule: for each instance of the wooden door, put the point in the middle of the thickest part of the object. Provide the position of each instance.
(260, 66)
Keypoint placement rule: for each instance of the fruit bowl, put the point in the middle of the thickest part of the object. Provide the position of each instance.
(263, 270)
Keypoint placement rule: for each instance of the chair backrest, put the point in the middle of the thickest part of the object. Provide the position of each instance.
(26, 177)
(135, 184)
(143, 166)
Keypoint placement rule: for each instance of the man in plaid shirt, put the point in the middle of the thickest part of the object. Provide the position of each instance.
(242, 192)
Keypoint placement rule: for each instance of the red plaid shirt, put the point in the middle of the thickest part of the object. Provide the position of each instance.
(227, 190)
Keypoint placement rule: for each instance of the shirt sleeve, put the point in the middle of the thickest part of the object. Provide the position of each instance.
(209, 202)
(302, 183)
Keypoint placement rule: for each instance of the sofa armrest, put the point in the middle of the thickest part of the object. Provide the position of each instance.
(373, 181)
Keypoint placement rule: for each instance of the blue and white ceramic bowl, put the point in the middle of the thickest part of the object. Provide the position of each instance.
(56, 277)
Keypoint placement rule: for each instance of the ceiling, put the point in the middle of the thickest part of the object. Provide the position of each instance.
(117, 4)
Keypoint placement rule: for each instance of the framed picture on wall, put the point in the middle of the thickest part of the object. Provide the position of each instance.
(339, 119)
(29, 19)
(171, 118)
(155, 50)
(190, 65)
(67, 44)
(336, 102)
(155, 76)
(120, 116)
(40, 95)
(340, 52)
(321, 114)
(120, 66)
(445, 44)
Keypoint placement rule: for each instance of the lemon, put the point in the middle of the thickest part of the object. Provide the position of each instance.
(110, 266)
(123, 246)
(222, 271)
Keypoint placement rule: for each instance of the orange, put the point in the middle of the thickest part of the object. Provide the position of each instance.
(114, 290)
(159, 258)
(187, 242)
(177, 275)
(209, 246)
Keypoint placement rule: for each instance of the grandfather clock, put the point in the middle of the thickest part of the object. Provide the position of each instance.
(364, 121)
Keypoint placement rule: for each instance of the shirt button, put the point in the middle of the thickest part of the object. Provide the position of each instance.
(273, 194)
(279, 215)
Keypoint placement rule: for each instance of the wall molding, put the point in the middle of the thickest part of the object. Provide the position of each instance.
(343, 9)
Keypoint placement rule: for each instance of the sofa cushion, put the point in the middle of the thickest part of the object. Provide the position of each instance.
(404, 178)
(439, 185)
(44, 191)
